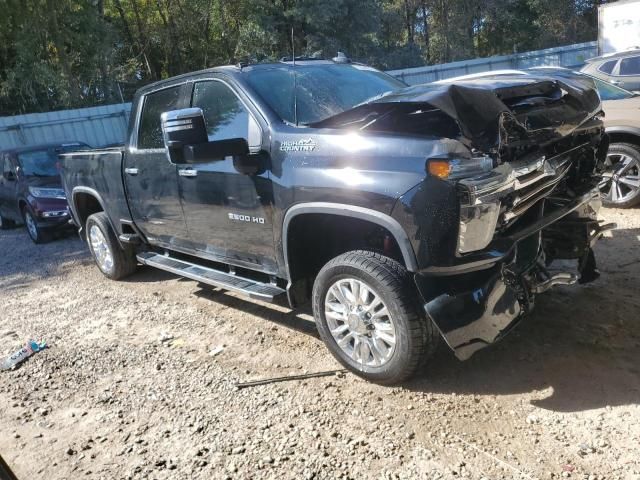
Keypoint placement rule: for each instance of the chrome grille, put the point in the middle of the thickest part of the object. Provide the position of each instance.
(535, 179)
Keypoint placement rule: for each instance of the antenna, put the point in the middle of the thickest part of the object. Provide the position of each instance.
(295, 80)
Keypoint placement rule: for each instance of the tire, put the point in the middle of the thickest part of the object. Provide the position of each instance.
(112, 260)
(622, 191)
(6, 224)
(37, 234)
(415, 336)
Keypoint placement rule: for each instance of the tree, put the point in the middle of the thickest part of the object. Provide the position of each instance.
(71, 53)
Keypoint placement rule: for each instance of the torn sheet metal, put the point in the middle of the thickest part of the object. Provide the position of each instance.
(489, 113)
(474, 319)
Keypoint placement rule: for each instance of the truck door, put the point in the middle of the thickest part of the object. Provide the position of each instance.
(150, 179)
(229, 214)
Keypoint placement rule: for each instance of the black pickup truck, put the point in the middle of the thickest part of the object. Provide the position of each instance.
(402, 214)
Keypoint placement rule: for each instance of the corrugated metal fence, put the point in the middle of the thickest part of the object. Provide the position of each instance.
(571, 56)
(99, 126)
(95, 126)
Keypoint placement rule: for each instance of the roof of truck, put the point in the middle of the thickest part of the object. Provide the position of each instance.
(242, 67)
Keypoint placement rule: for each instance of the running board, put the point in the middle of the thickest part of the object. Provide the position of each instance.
(217, 278)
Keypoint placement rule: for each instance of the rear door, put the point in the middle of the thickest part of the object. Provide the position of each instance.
(150, 179)
(627, 73)
(229, 214)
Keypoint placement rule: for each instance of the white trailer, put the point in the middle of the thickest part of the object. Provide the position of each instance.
(618, 26)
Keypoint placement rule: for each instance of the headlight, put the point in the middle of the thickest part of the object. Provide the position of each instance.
(457, 168)
(477, 226)
(39, 192)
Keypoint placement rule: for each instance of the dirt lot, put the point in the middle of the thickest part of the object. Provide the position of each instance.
(129, 388)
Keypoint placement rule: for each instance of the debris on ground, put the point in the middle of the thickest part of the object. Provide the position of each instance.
(21, 355)
(305, 376)
(216, 350)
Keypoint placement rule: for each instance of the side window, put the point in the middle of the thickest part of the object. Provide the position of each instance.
(607, 67)
(630, 66)
(155, 104)
(225, 115)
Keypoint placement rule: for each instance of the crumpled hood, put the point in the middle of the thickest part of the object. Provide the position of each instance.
(493, 111)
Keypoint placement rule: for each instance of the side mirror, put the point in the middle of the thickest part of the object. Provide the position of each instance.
(216, 150)
(181, 128)
(9, 176)
(186, 141)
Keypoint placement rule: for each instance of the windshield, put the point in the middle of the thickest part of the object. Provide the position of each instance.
(39, 163)
(611, 92)
(322, 90)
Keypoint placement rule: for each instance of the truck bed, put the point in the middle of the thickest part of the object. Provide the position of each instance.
(97, 172)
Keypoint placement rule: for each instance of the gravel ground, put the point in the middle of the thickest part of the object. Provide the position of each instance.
(134, 384)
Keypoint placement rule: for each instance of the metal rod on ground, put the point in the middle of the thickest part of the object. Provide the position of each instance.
(289, 378)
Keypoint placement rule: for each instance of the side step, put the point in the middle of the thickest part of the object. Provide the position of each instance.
(227, 281)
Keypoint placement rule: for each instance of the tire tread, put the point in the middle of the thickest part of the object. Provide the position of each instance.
(389, 272)
(124, 260)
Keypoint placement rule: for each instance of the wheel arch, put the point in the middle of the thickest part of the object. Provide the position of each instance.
(85, 202)
(624, 134)
(349, 211)
(22, 204)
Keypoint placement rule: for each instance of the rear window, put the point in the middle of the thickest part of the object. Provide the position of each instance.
(607, 67)
(155, 104)
(630, 66)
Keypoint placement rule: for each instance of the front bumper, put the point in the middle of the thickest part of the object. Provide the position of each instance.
(50, 213)
(482, 296)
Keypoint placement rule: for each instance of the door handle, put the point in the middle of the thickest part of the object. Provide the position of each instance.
(131, 171)
(614, 82)
(188, 172)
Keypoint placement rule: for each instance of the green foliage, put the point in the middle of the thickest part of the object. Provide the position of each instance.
(58, 54)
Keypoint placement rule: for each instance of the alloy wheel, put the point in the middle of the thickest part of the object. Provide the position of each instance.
(360, 322)
(100, 248)
(32, 228)
(623, 180)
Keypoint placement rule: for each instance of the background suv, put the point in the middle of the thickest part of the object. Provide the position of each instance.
(621, 69)
(31, 191)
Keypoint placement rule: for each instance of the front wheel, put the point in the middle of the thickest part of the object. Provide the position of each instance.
(367, 314)
(622, 189)
(112, 260)
(36, 233)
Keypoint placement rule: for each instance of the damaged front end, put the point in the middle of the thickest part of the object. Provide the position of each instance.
(475, 304)
(536, 209)
(491, 227)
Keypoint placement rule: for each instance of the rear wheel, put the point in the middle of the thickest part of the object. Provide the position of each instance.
(36, 233)
(622, 189)
(368, 316)
(112, 260)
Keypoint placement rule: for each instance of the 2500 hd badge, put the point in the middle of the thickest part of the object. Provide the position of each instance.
(245, 218)
(431, 212)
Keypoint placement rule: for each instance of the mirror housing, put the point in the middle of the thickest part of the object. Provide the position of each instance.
(186, 141)
(9, 176)
(216, 150)
(181, 128)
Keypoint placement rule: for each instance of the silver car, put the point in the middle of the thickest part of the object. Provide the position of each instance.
(621, 69)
